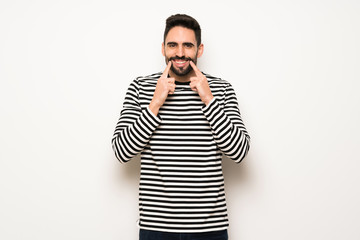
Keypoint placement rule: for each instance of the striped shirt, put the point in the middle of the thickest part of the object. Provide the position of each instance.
(181, 180)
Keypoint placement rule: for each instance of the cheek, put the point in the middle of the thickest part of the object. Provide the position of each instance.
(169, 53)
(191, 54)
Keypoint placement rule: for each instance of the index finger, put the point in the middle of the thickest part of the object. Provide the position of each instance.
(166, 71)
(196, 70)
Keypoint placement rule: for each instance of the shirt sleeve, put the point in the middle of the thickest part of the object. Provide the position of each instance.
(135, 126)
(227, 126)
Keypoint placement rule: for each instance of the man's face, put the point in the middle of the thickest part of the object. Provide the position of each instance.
(180, 48)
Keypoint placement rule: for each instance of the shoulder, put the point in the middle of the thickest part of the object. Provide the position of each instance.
(216, 81)
(148, 79)
(144, 82)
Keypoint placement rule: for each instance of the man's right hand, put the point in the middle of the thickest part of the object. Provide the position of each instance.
(164, 87)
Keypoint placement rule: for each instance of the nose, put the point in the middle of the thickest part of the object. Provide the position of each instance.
(180, 51)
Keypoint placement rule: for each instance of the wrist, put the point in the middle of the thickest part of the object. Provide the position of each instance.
(154, 107)
(208, 99)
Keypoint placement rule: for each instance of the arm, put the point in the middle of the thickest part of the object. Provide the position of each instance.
(134, 128)
(227, 126)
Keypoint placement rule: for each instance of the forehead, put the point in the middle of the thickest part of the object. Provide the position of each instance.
(181, 34)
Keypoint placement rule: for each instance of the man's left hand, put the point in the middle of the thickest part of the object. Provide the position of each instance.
(200, 85)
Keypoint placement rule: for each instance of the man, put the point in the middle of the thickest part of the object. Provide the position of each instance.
(181, 121)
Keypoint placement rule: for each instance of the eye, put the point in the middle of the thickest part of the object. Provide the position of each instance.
(171, 45)
(189, 45)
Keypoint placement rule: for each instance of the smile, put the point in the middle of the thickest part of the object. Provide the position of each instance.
(180, 63)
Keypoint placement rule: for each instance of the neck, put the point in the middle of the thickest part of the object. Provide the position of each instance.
(185, 78)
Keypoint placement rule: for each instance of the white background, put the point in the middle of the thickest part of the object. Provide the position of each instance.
(64, 70)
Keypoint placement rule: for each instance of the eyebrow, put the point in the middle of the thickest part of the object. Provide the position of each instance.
(190, 43)
(171, 43)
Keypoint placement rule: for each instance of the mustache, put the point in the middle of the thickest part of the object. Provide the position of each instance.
(181, 58)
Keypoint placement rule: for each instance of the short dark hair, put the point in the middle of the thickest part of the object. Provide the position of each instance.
(186, 21)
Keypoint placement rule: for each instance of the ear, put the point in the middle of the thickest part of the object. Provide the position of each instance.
(200, 50)
(163, 49)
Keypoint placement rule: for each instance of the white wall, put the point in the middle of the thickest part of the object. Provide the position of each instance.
(64, 70)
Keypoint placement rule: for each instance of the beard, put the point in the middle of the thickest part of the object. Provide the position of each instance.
(182, 71)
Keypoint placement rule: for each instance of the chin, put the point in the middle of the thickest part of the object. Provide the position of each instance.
(183, 72)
